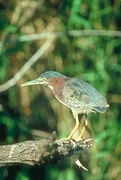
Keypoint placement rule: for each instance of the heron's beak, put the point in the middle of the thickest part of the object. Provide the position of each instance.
(36, 81)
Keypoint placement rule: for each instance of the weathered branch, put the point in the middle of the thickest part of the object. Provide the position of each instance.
(53, 35)
(26, 66)
(41, 152)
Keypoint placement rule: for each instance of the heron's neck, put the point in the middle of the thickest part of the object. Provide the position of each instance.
(56, 84)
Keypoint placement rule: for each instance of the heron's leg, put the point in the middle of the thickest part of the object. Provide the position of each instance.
(84, 128)
(76, 126)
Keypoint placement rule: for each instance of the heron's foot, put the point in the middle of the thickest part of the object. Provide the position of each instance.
(71, 140)
(80, 137)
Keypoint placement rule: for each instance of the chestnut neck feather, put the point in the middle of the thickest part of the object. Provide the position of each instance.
(56, 84)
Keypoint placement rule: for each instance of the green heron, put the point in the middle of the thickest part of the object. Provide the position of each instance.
(78, 95)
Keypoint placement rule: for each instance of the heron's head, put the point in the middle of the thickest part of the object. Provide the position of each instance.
(44, 78)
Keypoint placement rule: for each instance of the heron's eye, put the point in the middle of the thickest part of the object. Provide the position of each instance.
(44, 79)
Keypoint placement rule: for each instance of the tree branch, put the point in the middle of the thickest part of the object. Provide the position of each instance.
(26, 66)
(53, 35)
(41, 152)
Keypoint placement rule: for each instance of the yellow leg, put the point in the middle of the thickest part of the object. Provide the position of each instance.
(83, 129)
(74, 130)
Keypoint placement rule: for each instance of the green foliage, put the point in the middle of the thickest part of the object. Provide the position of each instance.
(94, 58)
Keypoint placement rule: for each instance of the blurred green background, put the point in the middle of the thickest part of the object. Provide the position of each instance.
(33, 112)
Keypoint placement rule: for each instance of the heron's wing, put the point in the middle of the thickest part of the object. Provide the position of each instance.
(79, 94)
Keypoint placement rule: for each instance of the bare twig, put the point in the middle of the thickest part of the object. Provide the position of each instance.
(115, 98)
(90, 32)
(41, 152)
(26, 66)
